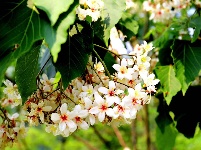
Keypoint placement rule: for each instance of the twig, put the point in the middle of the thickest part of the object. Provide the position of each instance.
(105, 142)
(106, 70)
(119, 136)
(134, 134)
(107, 50)
(84, 141)
(147, 130)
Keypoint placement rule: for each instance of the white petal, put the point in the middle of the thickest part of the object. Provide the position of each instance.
(41, 115)
(84, 88)
(98, 99)
(110, 112)
(92, 119)
(116, 67)
(83, 113)
(94, 110)
(112, 85)
(55, 117)
(62, 126)
(101, 116)
(127, 114)
(84, 125)
(124, 62)
(72, 126)
(120, 76)
(47, 108)
(103, 90)
(44, 76)
(63, 108)
(88, 102)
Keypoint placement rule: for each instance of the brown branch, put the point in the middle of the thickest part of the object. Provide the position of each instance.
(147, 130)
(134, 134)
(104, 141)
(84, 141)
(119, 136)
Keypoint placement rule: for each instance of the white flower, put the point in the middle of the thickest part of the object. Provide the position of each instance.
(150, 79)
(64, 119)
(13, 116)
(87, 91)
(123, 71)
(39, 109)
(102, 107)
(122, 110)
(88, 105)
(99, 67)
(80, 114)
(111, 93)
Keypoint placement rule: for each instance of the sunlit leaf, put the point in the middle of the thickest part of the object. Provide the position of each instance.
(112, 12)
(66, 20)
(20, 28)
(74, 56)
(187, 60)
(53, 8)
(166, 140)
(170, 85)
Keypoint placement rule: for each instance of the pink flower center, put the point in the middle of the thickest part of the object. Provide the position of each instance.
(120, 108)
(77, 119)
(103, 107)
(111, 93)
(64, 117)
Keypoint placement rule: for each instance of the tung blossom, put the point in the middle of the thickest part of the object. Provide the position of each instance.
(102, 107)
(123, 71)
(64, 119)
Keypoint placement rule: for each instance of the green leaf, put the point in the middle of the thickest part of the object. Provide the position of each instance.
(170, 85)
(27, 69)
(196, 24)
(73, 58)
(20, 27)
(187, 60)
(166, 140)
(66, 20)
(112, 12)
(53, 8)
(109, 61)
(129, 23)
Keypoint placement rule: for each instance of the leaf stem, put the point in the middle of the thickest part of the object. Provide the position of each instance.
(106, 70)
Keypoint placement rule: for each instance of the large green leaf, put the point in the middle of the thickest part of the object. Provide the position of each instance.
(66, 20)
(20, 27)
(170, 85)
(129, 23)
(27, 69)
(187, 60)
(53, 8)
(166, 140)
(74, 55)
(112, 12)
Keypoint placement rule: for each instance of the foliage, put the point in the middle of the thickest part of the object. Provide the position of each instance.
(74, 38)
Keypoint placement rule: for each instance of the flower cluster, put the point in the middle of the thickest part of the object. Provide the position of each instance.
(90, 8)
(12, 97)
(96, 96)
(12, 127)
(164, 10)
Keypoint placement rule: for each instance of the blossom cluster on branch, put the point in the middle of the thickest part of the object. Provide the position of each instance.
(94, 97)
(164, 10)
